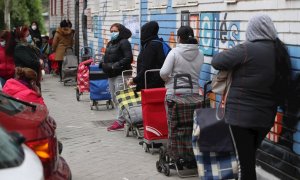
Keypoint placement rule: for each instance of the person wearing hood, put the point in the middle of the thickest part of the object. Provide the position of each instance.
(260, 80)
(151, 56)
(185, 58)
(24, 86)
(63, 38)
(117, 58)
(35, 34)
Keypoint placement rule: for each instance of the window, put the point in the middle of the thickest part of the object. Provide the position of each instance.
(54, 7)
(115, 5)
(51, 7)
(158, 3)
(61, 7)
(10, 105)
(11, 153)
(230, 1)
(178, 3)
(130, 4)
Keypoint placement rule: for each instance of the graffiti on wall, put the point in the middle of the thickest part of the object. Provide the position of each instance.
(96, 26)
(217, 33)
(133, 24)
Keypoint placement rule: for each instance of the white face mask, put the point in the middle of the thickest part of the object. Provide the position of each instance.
(2, 43)
(33, 27)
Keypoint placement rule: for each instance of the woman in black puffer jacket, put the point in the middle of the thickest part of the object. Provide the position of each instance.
(117, 58)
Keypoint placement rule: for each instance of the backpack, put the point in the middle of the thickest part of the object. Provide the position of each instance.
(166, 47)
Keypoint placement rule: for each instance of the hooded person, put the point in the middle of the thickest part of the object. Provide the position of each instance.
(63, 39)
(117, 58)
(36, 34)
(260, 76)
(151, 56)
(184, 58)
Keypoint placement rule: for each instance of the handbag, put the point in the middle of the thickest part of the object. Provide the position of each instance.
(221, 82)
(214, 133)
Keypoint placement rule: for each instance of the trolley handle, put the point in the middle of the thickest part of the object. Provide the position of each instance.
(145, 75)
(68, 49)
(86, 49)
(189, 86)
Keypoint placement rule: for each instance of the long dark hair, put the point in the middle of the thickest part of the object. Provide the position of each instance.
(186, 35)
(283, 72)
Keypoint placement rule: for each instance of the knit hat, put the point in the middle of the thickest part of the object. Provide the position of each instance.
(261, 27)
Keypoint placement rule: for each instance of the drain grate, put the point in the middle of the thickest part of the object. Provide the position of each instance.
(103, 123)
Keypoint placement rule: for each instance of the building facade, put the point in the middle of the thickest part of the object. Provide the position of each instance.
(218, 25)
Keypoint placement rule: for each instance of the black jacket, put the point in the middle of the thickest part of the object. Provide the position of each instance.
(27, 56)
(251, 101)
(36, 37)
(118, 54)
(151, 56)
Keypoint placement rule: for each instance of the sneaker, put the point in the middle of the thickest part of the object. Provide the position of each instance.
(115, 126)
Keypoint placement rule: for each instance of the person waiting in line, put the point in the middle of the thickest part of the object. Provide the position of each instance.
(151, 56)
(185, 58)
(36, 34)
(7, 64)
(25, 54)
(24, 86)
(63, 39)
(117, 58)
(260, 79)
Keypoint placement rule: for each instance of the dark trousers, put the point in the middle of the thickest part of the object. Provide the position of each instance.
(60, 69)
(247, 141)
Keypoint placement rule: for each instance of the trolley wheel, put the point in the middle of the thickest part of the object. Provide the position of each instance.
(77, 94)
(145, 147)
(107, 104)
(111, 104)
(158, 166)
(166, 169)
(126, 130)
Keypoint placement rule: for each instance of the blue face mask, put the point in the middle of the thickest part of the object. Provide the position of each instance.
(29, 39)
(114, 35)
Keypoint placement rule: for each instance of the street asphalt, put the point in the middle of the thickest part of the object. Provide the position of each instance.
(91, 151)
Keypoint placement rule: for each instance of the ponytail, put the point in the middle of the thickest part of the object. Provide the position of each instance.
(283, 72)
(186, 35)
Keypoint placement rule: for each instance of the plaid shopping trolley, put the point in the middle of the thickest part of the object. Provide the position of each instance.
(179, 152)
(129, 102)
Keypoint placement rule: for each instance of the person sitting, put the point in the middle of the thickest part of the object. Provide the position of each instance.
(24, 86)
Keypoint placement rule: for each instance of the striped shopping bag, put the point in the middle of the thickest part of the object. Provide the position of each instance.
(213, 165)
